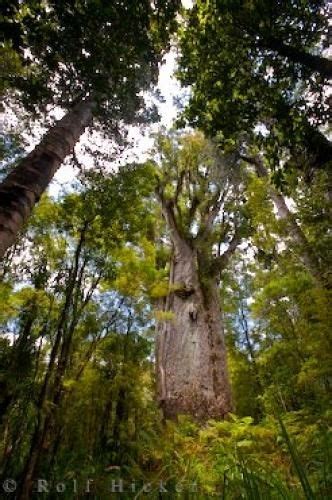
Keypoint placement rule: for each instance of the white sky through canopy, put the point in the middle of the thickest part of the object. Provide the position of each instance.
(139, 137)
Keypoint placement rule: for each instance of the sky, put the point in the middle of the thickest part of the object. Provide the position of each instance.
(140, 139)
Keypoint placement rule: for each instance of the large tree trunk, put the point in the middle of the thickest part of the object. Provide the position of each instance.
(192, 376)
(22, 188)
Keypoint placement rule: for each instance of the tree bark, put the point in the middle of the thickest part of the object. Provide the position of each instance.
(22, 188)
(192, 375)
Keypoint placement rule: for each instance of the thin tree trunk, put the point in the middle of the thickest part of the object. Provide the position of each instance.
(121, 405)
(22, 188)
(103, 432)
(20, 353)
(309, 259)
(251, 352)
(50, 391)
(8, 464)
(121, 416)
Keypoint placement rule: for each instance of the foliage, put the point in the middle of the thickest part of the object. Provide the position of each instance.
(83, 287)
(76, 49)
(245, 89)
(105, 425)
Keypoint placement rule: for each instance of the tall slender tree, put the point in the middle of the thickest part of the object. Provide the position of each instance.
(89, 221)
(306, 253)
(94, 64)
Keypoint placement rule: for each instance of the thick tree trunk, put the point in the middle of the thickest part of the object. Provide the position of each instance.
(23, 187)
(192, 376)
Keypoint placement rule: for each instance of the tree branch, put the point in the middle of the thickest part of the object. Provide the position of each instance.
(211, 212)
(167, 207)
(220, 263)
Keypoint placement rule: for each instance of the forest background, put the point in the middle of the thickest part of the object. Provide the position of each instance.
(165, 319)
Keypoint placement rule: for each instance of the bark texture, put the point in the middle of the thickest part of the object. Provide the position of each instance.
(192, 375)
(22, 188)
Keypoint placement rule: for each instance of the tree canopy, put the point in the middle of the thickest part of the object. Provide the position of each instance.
(165, 321)
(248, 85)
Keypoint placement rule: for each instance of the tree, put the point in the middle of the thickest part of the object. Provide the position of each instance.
(286, 33)
(93, 66)
(241, 86)
(99, 413)
(314, 265)
(25, 184)
(242, 347)
(198, 194)
(293, 336)
(220, 247)
(67, 271)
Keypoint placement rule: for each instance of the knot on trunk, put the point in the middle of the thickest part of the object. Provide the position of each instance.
(193, 313)
(184, 290)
